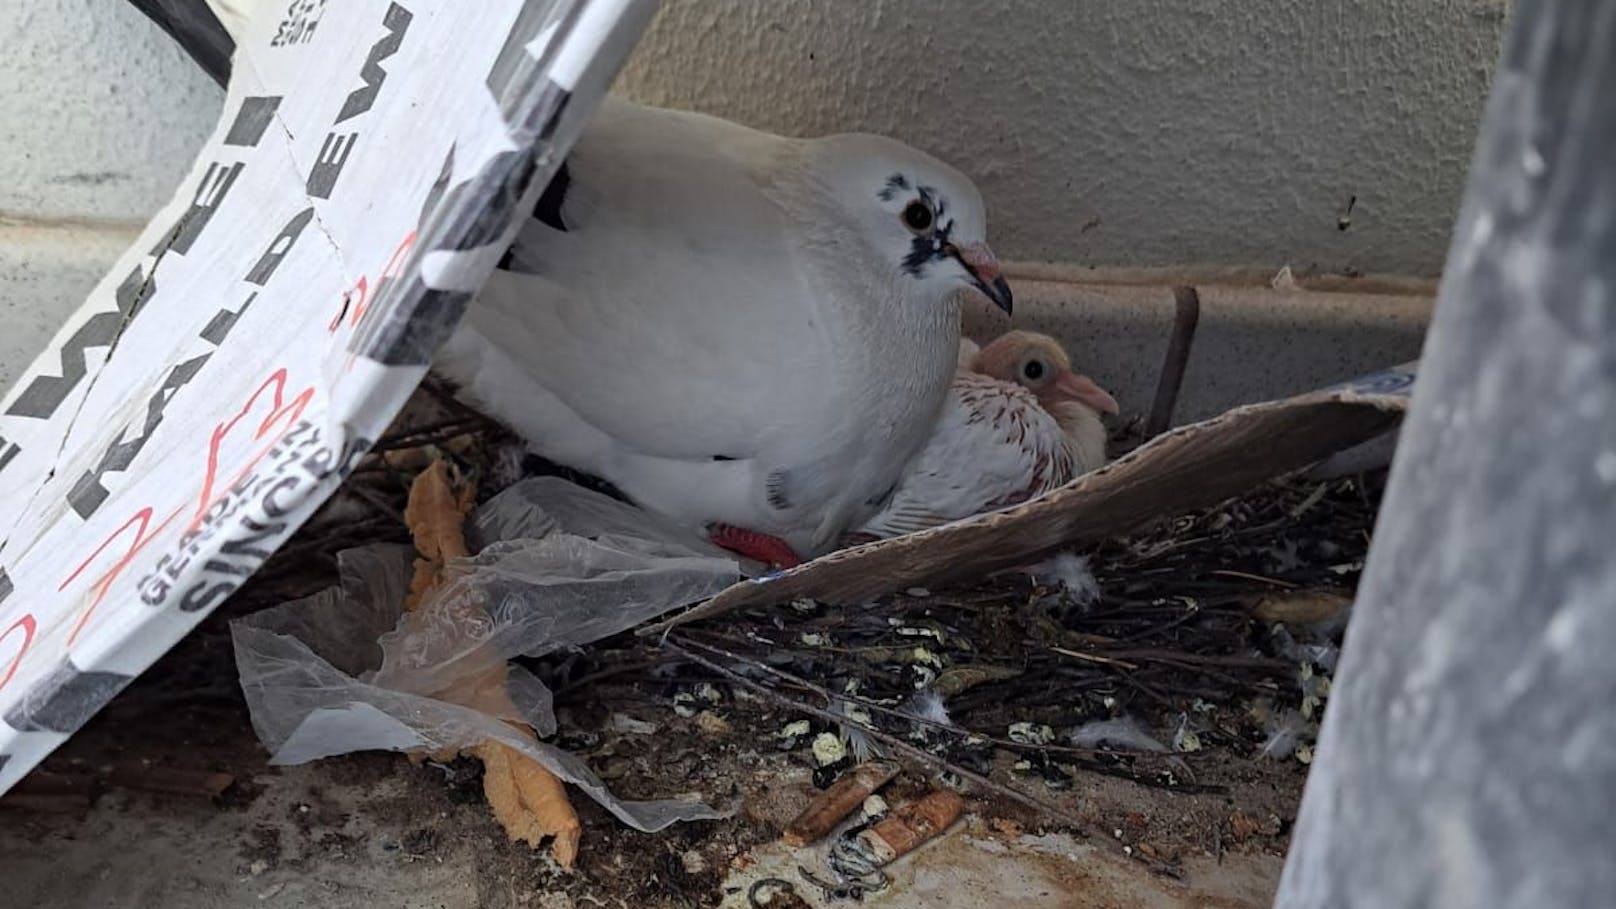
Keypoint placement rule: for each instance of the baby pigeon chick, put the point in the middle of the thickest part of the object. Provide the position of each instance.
(1018, 422)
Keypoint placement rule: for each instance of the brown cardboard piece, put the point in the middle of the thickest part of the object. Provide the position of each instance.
(1186, 468)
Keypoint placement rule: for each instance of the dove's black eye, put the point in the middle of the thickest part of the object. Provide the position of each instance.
(918, 217)
(1034, 370)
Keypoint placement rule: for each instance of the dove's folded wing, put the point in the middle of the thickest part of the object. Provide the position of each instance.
(662, 229)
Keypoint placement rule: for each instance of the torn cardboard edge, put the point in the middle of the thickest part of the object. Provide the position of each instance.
(1183, 469)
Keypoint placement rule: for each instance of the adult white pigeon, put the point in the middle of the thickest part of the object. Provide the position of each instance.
(748, 333)
(1018, 423)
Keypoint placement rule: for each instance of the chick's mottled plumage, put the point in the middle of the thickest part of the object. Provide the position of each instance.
(1017, 423)
(738, 330)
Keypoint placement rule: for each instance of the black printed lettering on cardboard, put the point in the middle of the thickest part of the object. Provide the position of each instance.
(297, 26)
(328, 166)
(435, 195)
(88, 493)
(397, 22)
(252, 120)
(210, 194)
(338, 147)
(515, 67)
(486, 204)
(46, 393)
(248, 519)
(64, 699)
(279, 247)
(6, 587)
(224, 320)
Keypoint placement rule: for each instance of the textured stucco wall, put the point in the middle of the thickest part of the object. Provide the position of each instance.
(101, 112)
(1137, 133)
(100, 116)
(1146, 132)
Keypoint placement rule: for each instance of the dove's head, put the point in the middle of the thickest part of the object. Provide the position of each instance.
(1038, 363)
(924, 220)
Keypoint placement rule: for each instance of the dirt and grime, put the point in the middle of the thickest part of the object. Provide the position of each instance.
(1158, 632)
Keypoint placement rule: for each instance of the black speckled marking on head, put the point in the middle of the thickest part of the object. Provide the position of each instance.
(928, 248)
(895, 184)
(775, 488)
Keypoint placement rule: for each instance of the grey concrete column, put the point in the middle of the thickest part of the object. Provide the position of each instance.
(1469, 754)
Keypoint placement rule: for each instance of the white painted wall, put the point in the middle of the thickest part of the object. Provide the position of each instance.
(1105, 132)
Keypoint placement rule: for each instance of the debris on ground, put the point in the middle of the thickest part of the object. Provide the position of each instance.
(907, 827)
(832, 806)
(1138, 716)
(527, 800)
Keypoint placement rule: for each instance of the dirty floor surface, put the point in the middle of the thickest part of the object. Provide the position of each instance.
(166, 799)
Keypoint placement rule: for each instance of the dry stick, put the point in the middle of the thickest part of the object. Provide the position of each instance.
(377, 502)
(1053, 811)
(1246, 575)
(1186, 313)
(429, 434)
(1094, 658)
(830, 697)
(1204, 659)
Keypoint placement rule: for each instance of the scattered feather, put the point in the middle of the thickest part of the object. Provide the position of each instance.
(1185, 739)
(1071, 573)
(928, 705)
(1286, 733)
(1121, 732)
(853, 733)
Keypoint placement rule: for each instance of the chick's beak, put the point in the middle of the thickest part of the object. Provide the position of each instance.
(983, 268)
(1083, 390)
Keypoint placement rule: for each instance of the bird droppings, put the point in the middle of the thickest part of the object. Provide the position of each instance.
(828, 749)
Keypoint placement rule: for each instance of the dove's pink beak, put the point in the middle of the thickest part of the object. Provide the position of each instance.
(1082, 389)
(983, 267)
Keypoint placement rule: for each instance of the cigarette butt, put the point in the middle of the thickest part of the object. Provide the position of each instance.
(841, 799)
(915, 823)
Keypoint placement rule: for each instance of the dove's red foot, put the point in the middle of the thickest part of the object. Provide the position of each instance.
(760, 547)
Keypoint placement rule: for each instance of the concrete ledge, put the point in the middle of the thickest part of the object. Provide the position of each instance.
(1252, 343)
(46, 272)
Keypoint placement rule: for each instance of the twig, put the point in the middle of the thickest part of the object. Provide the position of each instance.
(419, 436)
(1311, 500)
(377, 502)
(1206, 659)
(919, 754)
(878, 707)
(1186, 313)
(1246, 575)
(1095, 658)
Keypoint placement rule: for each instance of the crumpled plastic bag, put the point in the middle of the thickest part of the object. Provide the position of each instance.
(348, 670)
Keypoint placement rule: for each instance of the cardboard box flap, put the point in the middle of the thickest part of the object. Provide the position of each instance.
(1184, 469)
(372, 162)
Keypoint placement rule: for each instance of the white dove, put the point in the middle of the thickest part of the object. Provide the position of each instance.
(1018, 423)
(748, 333)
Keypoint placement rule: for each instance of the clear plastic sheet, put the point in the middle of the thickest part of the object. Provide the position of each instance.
(561, 566)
